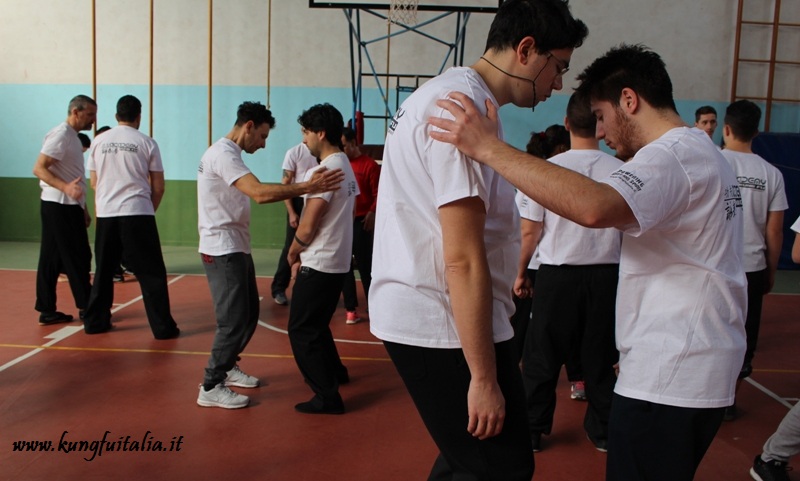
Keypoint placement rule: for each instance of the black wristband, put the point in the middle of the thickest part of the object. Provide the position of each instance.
(302, 244)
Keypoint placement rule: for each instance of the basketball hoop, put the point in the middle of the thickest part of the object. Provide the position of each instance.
(403, 11)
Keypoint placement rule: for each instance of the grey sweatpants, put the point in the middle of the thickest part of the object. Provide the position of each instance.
(785, 443)
(232, 281)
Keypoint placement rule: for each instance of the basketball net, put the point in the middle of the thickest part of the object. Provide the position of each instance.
(403, 11)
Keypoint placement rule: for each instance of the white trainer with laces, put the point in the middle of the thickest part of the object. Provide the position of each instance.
(237, 377)
(221, 397)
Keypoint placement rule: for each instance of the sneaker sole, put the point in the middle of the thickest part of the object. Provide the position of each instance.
(754, 475)
(241, 384)
(352, 322)
(212, 404)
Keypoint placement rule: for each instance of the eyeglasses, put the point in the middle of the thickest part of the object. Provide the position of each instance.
(562, 66)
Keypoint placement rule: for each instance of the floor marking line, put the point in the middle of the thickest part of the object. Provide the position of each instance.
(350, 341)
(768, 392)
(65, 332)
(163, 351)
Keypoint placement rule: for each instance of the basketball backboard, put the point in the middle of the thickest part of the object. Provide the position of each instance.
(484, 6)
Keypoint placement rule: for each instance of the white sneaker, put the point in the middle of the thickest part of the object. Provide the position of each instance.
(236, 377)
(221, 397)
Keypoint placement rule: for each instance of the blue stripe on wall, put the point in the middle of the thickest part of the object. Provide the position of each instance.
(181, 125)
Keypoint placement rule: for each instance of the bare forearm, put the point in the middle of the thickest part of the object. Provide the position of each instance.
(471, 302)
(44, 174)
(563, 191)
(268, 193)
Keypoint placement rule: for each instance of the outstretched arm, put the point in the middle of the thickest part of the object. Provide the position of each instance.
(563, 191)
(323, 180)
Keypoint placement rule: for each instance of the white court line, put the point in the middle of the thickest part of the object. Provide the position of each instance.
(282, 331)
(768, 392)
(67, 331)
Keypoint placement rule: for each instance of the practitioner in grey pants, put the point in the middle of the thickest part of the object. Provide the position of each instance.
(224, 189)
(785, 443)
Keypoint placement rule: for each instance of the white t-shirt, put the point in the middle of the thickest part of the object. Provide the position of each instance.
(223, 211)
(331, 250)
(409, 298)
(761, 185)
(123, 158)
(63, 145)
(525, 206)
(299, 160)
(796, 226)
(564, 242)
(682, 290)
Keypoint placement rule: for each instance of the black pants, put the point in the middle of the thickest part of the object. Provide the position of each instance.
(362, 252)
(756, 283)
(65, 248)
(314, 299)
(438, 381)
(572, 305)
(654, 442)
(283, 274)
(136, 238)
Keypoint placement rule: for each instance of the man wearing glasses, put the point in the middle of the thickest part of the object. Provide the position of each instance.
(447, 242)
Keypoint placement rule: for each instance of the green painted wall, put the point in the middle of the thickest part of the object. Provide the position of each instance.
(177, 215)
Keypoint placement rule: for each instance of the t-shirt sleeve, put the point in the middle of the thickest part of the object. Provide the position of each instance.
(779, 200)
(326, 196)
(55, 146)
(654, 186)
(796, 226)
(231, 169)
(290, 162)
(454, 175)
(156, 165)
(528, 208)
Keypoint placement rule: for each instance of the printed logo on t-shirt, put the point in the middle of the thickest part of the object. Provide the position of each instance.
(752, 183)
(628, 178)
(114, 147)
(396, 120)
(733, 201)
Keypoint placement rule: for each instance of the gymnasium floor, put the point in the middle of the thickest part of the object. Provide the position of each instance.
(58, 384)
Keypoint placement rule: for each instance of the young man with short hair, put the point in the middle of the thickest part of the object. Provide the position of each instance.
(447, 240)
(127, 174)
(682, 289)
(321, 257)
(705, 119)
(225, 187)
(763, 200)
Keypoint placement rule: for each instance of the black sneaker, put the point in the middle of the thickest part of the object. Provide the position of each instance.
(599, 444)
(50, 318)
(769, 470)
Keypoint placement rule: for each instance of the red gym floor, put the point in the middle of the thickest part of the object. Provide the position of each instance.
(58, 384)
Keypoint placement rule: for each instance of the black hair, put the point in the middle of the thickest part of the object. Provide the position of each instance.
(582, 122)
(102, 129)
(255, 112)
(129, 108)
(86, 142)
(349, 134)
(549, 22)
(704, 110)
(743, 117)
(629, 66)
(546, 143)
(324, 118)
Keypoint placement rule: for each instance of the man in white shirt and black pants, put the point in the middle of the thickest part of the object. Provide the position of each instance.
(128, 177)
(682, 289)
(320, 256)
(65, 243)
